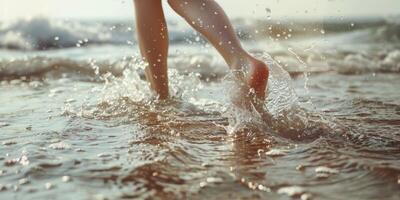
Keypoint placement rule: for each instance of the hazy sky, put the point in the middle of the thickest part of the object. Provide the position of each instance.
(11, 9)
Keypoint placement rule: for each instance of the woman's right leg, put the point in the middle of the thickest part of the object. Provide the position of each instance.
(153, 41)
(208, 18)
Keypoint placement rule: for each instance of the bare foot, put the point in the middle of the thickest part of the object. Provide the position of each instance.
(253, 91)
(257, 78)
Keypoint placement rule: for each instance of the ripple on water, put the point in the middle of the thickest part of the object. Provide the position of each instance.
(3, 124)
(326, 170)
(276, 152)
(23, 181)
(176, 150)
(214, 180)
(60, 146)
(3, 187)
(9, 142)
(292, 191)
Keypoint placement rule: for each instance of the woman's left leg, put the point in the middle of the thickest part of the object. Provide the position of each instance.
(153, 41)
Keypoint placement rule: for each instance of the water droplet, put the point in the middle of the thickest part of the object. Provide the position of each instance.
(263, 188)
(268, 13)
(203, 184)
(66, 179)
(260, 151)
(49, 186)
(300, 167)
(24, 160)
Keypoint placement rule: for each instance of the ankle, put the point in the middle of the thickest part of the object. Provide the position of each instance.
(239, 63)
(250, 65)
(257, 77)
(259, 70)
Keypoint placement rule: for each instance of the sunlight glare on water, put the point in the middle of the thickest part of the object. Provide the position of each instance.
(82, 121)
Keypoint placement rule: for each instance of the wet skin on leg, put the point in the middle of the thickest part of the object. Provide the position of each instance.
(208, 18)
(153, 42)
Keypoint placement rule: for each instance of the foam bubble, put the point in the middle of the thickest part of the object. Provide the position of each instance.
(60, 146)
(292, 191)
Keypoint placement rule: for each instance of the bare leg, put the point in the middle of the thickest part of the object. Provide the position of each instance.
(153, 41)
(208, 18)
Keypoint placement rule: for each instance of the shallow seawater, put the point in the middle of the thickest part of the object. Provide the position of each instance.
(70, 130)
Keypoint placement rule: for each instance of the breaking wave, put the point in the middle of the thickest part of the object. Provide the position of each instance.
(40, 33)
(207, 66)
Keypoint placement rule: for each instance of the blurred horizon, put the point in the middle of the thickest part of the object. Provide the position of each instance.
(274, 9)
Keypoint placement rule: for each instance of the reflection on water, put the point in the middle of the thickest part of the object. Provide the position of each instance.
(122, 148)
(69, 133)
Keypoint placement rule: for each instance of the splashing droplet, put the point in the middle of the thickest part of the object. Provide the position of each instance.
(49, 186)
(268, 13)
(66, 179)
